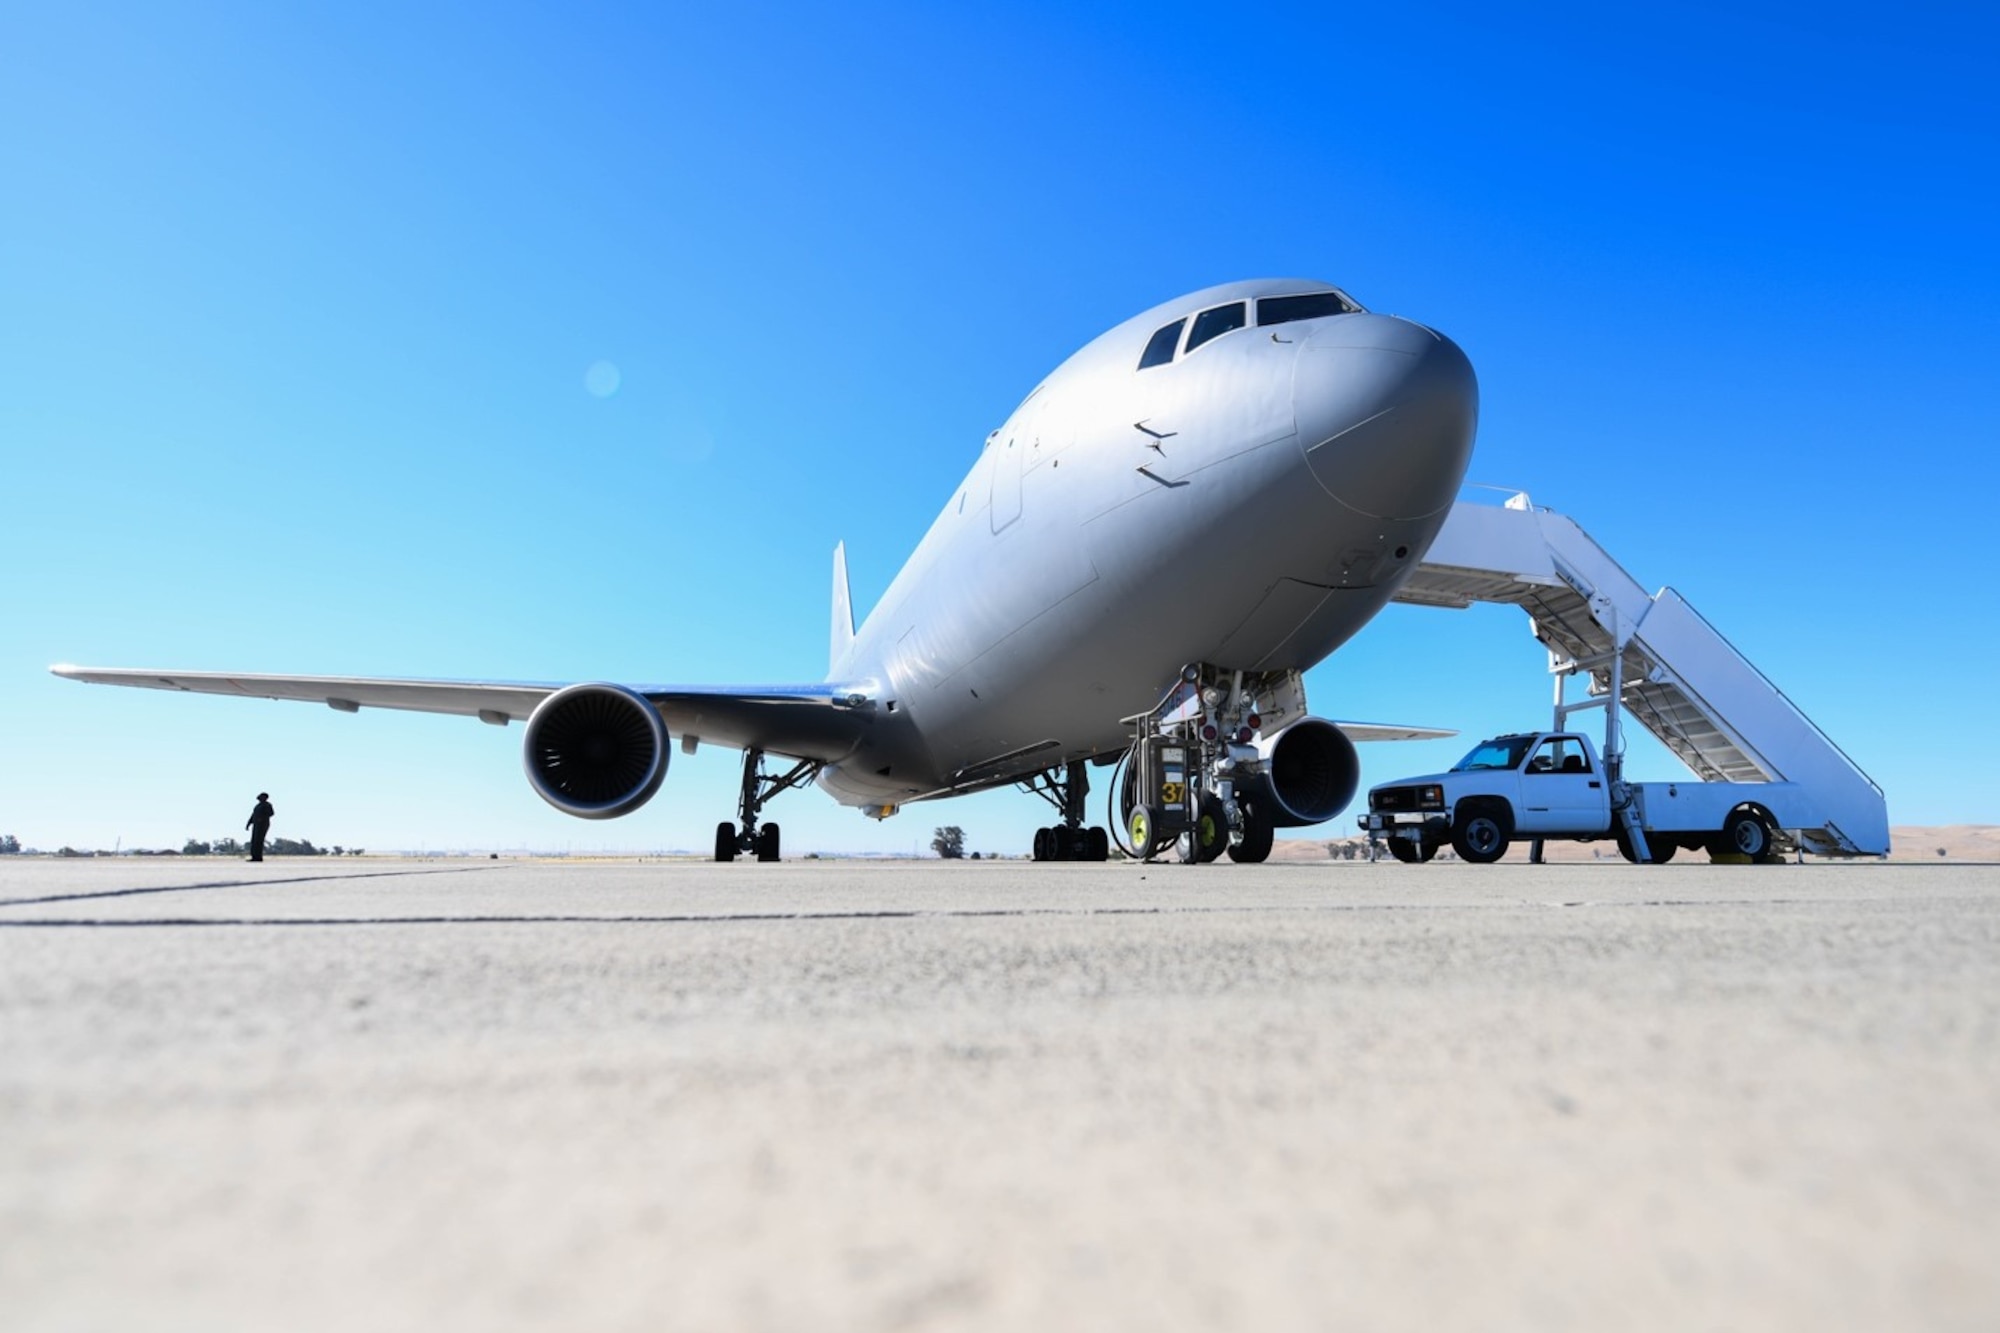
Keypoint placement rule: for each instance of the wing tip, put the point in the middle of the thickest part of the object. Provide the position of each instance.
(1370, 733)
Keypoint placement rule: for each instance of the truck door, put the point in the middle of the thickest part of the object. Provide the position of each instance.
(1562, 791)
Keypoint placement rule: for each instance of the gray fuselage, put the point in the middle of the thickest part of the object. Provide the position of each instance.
(1249, 502)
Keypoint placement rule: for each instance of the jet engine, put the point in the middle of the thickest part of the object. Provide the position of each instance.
(595, 751)
(1310, 773)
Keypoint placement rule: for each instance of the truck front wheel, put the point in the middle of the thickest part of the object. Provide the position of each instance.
(1411, 852)
(1479, 835)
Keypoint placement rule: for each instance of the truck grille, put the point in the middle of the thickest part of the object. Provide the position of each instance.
(1392, 800)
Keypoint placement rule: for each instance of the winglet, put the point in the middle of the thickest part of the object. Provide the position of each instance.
(843, 609)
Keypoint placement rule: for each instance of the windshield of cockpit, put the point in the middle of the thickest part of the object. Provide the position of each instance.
(1212, 323)
(1500, 752)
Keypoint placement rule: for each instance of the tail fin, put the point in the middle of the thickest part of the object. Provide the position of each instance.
(843, 610)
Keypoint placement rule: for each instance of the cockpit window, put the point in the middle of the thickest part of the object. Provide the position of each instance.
(1312, 305)
(1160, 347)
(1214, 323)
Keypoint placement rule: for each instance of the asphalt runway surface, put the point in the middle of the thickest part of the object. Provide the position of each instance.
(845, 1095)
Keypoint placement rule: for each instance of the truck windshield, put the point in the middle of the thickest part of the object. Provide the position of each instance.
(1500, 752)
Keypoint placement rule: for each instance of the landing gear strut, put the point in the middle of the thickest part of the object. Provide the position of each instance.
(758, 788)
(1069, 840)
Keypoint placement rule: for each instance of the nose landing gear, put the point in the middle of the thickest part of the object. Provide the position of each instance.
(1184, 776)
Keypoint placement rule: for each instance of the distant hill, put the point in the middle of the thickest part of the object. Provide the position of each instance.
(1960, 842)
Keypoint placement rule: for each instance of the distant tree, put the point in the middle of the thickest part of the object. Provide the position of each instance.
(228, 847)
(292, 847)
(975, 856)
(194, 848)
(1940, 851)
(949, 842)
(9, 845)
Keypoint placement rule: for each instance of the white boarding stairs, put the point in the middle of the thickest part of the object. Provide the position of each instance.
(1655, 655)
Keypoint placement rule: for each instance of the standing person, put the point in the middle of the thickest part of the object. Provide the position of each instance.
(259, 824)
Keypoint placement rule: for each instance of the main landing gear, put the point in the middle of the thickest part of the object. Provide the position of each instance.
(1191, 778)
(1069, 840)
(758, 788)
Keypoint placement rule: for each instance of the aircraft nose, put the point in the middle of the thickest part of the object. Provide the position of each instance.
(1386, 411)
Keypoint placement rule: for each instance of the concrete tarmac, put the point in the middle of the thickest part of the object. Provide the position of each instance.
(843, 1095)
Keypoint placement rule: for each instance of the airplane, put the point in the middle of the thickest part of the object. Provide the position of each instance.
(1176, 523)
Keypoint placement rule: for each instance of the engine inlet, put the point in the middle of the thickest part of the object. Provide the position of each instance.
(595, 751)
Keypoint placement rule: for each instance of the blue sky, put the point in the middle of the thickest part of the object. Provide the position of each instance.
(299, 307)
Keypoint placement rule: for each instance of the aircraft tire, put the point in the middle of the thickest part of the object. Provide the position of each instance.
(1042, 848)
(1063, 841)
(1255, 845)
(1211, 829)
(1096, 844)
(725, 841)
(767, 843)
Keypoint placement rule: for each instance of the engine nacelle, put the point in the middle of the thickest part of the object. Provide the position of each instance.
(1310, 773)
(595, 751)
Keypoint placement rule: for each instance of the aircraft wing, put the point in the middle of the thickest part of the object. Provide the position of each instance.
(822, 721)
(1385, 731)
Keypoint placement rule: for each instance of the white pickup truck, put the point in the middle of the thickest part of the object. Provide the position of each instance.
(1552, 785)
